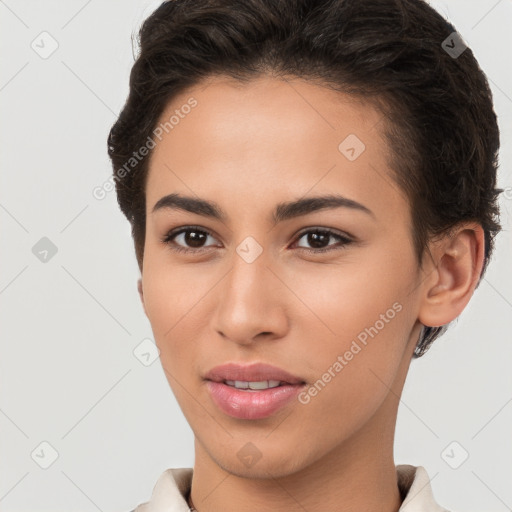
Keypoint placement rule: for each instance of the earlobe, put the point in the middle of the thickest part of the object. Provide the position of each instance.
(453, 276)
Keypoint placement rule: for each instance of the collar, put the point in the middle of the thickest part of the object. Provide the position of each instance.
(174, 484)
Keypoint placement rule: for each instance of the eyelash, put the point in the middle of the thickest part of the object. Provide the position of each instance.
(168, 239)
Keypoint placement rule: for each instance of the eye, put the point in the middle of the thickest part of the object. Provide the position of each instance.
(194, 239)
(318, 238)
(191, 235)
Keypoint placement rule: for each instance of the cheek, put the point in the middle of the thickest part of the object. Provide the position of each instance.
(354, 332)
(176, 302)
(175, 299)
(338, 303)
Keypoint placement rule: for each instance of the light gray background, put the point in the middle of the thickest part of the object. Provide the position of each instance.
(69, 326)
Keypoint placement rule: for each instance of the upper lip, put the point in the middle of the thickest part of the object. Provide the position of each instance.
(251, 373)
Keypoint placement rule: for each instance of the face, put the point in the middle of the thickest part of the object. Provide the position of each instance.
(329, 294)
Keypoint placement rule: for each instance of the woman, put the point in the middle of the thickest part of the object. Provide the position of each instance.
(311, 187)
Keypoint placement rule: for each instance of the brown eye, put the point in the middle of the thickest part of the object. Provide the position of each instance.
(319, 239)
(188, 239)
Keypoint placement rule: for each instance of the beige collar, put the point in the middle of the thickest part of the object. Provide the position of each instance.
(174, 484)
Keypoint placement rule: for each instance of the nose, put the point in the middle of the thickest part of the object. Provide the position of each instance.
(251, 302)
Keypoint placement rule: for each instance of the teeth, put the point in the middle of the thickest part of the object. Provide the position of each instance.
(264, 384)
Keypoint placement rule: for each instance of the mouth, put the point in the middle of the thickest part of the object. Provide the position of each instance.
(251, 392)
(254, 376)
(255, 385)
(252, 404)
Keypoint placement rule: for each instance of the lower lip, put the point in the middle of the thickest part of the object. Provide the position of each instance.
(254, 404)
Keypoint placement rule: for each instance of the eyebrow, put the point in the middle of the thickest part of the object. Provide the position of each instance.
(283, 211)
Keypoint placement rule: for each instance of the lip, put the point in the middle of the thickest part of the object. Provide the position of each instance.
(254, 372)
(251, 404)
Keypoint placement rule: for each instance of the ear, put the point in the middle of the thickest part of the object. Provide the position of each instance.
(141, 294)
(452, 274)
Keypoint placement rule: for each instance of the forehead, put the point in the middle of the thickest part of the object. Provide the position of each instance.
(267, 136)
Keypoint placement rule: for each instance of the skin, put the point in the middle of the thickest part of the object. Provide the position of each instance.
(248, 147)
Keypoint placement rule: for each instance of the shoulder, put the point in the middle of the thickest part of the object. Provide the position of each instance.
(170, 489)
(416, 490)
